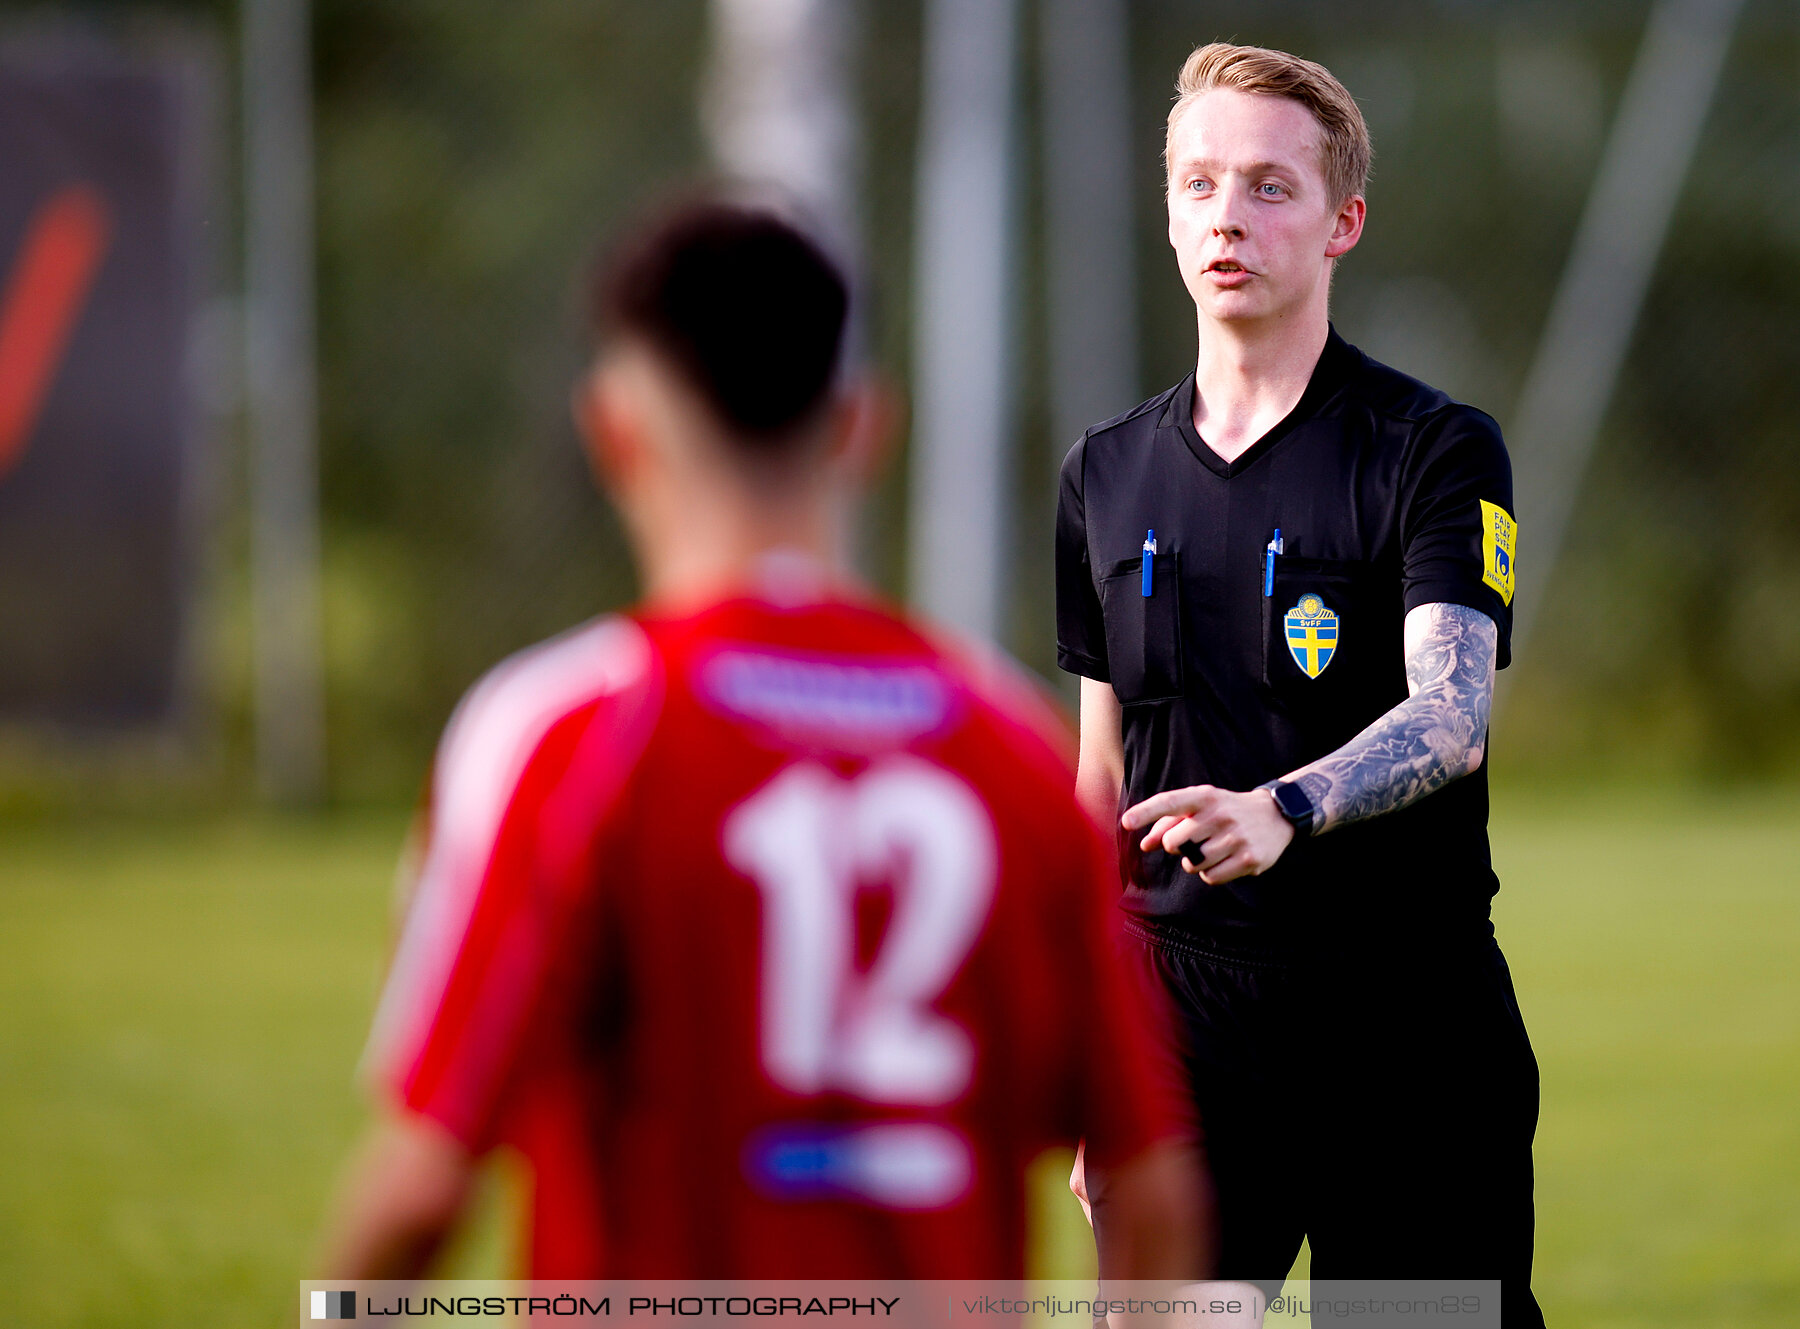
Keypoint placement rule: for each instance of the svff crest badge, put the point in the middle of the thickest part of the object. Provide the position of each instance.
(1311, 632)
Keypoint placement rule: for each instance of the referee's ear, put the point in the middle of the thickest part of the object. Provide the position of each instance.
(1347, 226)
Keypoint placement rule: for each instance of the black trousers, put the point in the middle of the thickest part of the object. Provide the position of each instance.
(1377, 1099)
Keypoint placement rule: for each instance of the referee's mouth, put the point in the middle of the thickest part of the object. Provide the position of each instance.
(1227, 272)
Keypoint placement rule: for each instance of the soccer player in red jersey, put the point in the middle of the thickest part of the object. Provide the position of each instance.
(760, 921)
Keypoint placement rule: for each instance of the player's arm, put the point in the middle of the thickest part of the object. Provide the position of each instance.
(1153, 1227)
(488, 915)
(402, 1196)
(1438, 734)
(1100, 766)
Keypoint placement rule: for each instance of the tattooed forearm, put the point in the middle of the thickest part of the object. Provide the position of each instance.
(1433, 737)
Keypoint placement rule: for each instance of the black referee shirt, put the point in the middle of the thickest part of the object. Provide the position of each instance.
(1387, 495)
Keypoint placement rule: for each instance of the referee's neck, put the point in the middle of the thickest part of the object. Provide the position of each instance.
(1246, 356)
(1247, 378)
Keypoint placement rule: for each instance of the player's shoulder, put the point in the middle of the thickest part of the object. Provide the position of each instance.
(1015, 744)
(509, 712)
(490, 764)
(1006, 696)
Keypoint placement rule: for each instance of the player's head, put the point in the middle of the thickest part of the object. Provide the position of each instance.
(1267, 158)
(739, 304)
(720, 329)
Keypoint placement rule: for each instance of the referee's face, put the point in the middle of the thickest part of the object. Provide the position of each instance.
(1253, 226)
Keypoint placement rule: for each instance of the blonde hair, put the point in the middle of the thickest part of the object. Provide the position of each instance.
(1345, 150)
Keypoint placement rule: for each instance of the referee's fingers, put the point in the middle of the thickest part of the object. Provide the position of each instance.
(1216, 846)
(1185, 831)
(1155, 834)
(1171, 802)
(1234, 866)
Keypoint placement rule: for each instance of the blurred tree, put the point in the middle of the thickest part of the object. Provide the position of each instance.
(470, 160)
(471, 155)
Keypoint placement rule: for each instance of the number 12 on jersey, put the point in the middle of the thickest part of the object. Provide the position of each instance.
(806, 838)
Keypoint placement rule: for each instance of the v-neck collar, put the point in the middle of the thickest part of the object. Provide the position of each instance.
(1329, 374)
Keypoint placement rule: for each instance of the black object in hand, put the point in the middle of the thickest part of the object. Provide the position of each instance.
(1194, 851)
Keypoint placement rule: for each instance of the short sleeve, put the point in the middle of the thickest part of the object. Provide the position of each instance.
(1457, 526)
(488, 913)
(1080, 628)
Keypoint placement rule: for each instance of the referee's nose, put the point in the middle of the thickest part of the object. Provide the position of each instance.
(1229, 219)
(1229, 231)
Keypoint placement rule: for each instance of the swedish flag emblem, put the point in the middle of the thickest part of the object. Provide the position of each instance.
(1312, 634)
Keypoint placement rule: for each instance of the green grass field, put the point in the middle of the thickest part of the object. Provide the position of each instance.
(181, 1006)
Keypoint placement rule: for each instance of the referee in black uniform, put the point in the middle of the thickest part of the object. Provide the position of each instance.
(1286, 584)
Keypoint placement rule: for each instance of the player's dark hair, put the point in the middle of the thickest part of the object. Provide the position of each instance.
(742, 303)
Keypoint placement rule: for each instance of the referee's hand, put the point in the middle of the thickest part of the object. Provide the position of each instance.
(1243, 834)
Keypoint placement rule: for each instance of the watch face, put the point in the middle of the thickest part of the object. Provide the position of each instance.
(1294, 805)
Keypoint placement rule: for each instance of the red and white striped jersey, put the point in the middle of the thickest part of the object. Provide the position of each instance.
(772, 937)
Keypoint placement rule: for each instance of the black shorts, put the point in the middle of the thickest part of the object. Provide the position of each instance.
(1377, 1101)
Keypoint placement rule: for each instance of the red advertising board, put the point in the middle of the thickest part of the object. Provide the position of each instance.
(99, 237)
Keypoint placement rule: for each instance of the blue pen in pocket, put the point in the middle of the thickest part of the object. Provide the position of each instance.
(1274, 550)
(1149, 560)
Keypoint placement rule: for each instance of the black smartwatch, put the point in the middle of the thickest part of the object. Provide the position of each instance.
(1291, 799)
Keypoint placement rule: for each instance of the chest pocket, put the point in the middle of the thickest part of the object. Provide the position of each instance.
(1143, 632)
(1332, 650)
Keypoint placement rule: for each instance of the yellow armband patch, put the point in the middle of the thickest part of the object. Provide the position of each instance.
(1499, 532)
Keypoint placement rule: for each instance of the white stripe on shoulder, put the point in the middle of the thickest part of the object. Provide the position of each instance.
(490, 739)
